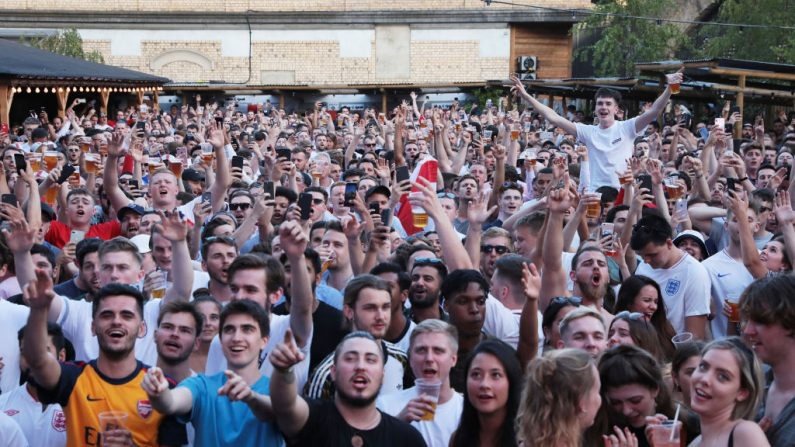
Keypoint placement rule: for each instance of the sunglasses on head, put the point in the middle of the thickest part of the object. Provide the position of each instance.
(566, 300)
(625, 314)
(500, 249)
(239, 206)
(226, 239)
(445, 195)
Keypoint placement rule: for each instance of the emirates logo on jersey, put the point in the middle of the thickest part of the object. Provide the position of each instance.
(59, 421)
(11, 412)
(144, 408)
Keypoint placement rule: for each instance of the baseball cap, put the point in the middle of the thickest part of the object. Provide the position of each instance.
(694, 235)
(132, 207)
(192, 175)
(380, 189)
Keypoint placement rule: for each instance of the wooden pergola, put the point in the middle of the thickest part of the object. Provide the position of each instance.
(30, 70)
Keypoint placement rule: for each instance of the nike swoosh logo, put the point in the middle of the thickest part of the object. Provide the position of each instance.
(721, 276)
(94, 399)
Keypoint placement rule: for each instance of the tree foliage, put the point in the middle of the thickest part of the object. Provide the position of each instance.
(68, 43)
(760, 44)
(621, 42)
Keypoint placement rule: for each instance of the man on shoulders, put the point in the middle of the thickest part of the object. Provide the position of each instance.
(611, 142)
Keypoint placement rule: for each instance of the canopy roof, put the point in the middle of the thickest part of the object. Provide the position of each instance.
(24, 65)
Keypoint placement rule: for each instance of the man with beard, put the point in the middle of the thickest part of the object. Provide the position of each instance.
(121, 263)
(427, 275)
(218, 253)
(176, 336)
(589, 265)
(326, 319)
(465, 292)
(87, 280)
(42, 425)
(130, 219)
(112, 380)
(241, 204)
(209, 401)
(351, 418)
(367, 308)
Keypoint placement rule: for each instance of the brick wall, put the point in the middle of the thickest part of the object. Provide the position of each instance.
(273, 5)
(314, 63)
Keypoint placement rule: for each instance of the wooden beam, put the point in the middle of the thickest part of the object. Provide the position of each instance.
(61, 96)
(139, 98)
(281, 101)
(104, 96)
(741, 104)
(383, 101)
(156, 102)
(6, 97)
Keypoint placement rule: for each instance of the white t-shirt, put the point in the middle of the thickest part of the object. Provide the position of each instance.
(437, 432)
(503, 323)
(41, 428)
(13, 317)
(685, 289)
(10, 433)
(75, 320)
(608, 150)
(565, 260)
(729, 278)
(216, 362)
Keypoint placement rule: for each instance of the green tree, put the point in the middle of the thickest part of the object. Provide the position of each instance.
(621, 42)
(760, 44)
(68, 43)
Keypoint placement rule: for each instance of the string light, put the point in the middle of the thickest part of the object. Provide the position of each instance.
(628, 16)
(60, 89)
(28, 90)
(38, 90)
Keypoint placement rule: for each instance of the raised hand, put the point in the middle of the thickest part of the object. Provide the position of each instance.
(292, 238)
(38, 293)
(559, 199)
(154, 382)
(172, 226)
(417, 408)
(478, 212)
(20, 237)
(285, 355)
(116, 145)
(217, 137)
(782, 207)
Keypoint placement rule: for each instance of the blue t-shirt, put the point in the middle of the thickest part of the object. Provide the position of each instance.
(221, 422)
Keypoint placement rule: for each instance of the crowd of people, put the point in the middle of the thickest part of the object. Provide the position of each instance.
(476, 275)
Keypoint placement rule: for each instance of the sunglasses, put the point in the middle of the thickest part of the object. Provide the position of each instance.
(500, 249)
(566, 300)
(226, 239)
(445, 195)
(635, 316)
(239, 206)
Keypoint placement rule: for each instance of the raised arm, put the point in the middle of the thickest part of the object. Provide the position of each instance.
(175, 229)
(290, 409)
(546, 112)
(110, 178)
(294, 242)
(528, 324)
(553, 277)
(223, 177)
(39, 295)
(786, 217)
(478, 213)
(659, 104)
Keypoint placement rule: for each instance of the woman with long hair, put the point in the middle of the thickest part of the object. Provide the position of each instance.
(560, 399)
(491, 397)
(632, 390)
(211, 311)
(632, 328)
(684, 364)
(642, 294)
(726, 390)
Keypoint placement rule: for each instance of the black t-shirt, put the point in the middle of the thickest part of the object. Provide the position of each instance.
(327, 428)
(327, 332)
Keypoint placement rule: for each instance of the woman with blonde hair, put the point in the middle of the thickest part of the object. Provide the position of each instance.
(560, 399)
(726, 390)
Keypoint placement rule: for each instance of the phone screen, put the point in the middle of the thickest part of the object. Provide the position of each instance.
(269, 189)
(237, 162)
(402, 173)
(19, 162)
(9, 199)
(350, 193)
(305, 203)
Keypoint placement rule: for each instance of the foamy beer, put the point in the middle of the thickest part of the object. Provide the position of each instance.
(673, 188)
(176, 167)
(35, 162)
(85, 146)
(429, 388)
(207, 153)
(159, 292)
(592, 210)
(514, 134)
(92, 163)
(50, 160)
(418, 214)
